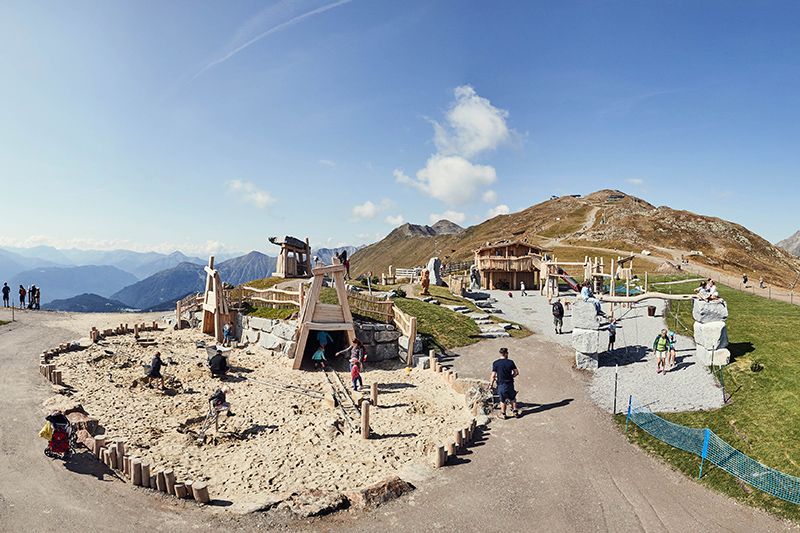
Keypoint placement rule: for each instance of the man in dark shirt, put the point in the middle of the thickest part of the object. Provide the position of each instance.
(155, 370)
(218, 364)
(503, 373)
(558, 316)
(6, 292)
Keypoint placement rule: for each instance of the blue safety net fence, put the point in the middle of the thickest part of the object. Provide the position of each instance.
(709, 447)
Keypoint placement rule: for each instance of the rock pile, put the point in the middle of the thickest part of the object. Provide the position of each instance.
(711, 332)
(276, 335)
(586, 328)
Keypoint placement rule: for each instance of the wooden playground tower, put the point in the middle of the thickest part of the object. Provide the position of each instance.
(316, 316)
(294, 259)
(593, 270)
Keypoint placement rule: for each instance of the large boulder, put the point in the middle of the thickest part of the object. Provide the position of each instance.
(711, 335)
(285, 329)
(250, 336)
(708, 357)
(586, 361)
(586, 340)
(263, 324)
(268, 341)
(435, 268)
(584, 315)
(382, 352)
(712, 311)
(402, 341)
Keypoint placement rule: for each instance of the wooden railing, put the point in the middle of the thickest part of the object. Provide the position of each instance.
(371, 307)
(462, 266)
(508, 264)
(407, 325)
(408, 273)
(272, 297)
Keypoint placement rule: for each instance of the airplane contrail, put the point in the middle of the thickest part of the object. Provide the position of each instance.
(270, 31)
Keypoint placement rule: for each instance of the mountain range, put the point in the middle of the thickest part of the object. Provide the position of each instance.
(791, 244)
(87, 303)
(64, 282)
(607, 220)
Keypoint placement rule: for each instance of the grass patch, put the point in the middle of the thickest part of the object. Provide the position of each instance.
(268, 312)
(445, 328)
(761, 418)
(264, 283)
(4, 322)
(375, 286)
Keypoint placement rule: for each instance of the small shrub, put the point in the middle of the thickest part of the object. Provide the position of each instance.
(755, 366)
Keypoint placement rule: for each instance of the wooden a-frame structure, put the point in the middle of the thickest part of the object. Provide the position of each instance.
(215, 307)
(317, 316)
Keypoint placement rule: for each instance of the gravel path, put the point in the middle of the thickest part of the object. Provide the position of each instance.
(687, 387)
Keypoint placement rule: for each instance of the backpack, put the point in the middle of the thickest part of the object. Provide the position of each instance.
(558, 310)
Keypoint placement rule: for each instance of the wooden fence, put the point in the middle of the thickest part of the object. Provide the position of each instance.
(272, 297)
(371, 307)
(408, 273)
(407, 325)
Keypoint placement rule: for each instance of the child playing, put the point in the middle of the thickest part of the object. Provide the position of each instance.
(355, 373)
(319, 358)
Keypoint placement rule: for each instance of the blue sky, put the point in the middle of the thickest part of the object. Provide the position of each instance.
(208, 125)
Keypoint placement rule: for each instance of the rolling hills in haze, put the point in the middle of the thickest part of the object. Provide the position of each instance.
(64, 282)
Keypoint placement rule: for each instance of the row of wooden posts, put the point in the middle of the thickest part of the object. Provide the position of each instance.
(462, 437)
(95, 334)
(142, 474)
(47, 369)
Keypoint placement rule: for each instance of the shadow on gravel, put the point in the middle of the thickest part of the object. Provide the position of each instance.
(625, 356)
(87, 464)
(526, 409)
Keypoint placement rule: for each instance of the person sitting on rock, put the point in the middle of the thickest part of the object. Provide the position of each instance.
(588, 296)
(218, 365)
(702, 291)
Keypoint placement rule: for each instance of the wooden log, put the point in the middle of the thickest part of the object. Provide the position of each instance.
(431, 358)
(99, 444)
(451, 449)
(120, 444)
(189, 484)
(112, 457)
(155, 325)
(365, 420)
(153, 484)
(136, 331)
(465, 437)
(459, 441)
(126, 465)
(373, 394)
(200, 492)
(180, 490)
(145, 474)
(161, 482)
(439, 367)
(136, 471)
(441, 457)
(169, 480)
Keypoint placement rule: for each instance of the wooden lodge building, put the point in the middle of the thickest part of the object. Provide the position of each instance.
(503, 265)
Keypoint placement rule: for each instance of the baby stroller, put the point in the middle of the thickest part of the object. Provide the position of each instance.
(60, 437)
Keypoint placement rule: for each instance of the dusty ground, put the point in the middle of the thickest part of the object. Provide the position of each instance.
(563, 467)
(278, 442)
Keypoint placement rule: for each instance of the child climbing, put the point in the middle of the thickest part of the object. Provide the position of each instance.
(319, 358)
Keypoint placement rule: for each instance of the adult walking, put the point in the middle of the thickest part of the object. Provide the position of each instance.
(22, 293)
(503, 373)
(661, 347)
(6, 293)
(558, 316)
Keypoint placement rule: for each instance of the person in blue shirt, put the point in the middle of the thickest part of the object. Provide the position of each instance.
(324, 338)
(503, 373)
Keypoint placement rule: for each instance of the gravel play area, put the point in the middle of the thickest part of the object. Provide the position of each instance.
(687, 387)
(278, 442)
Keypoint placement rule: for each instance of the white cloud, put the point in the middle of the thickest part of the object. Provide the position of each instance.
(327, 162)
(635, 181)
(200, 249)
(395, 220)
(472, 125)
(501, 209)
(451, 179)
(249, 193)
(370, 209)
(452, 216)
(490, 197)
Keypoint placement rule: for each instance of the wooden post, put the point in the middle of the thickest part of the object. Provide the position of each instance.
(146, 474)
(178, 315)
(136, 331)
(441, 457)
(200, 492)
(451, 449)
(161, 482)
(466, 436)
(188, 484)
(180, 490)
(459, 441)
(431, 358)
(373, 394)
(112, 457)
(169, 479)
(120, 445)
(126, 465)
(136, 471)
(57, 377)
(364, 420)
(153, 483)
(99, 444)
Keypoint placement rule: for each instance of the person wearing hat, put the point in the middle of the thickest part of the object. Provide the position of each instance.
(503, 373)
(218, 365)
(155, 370)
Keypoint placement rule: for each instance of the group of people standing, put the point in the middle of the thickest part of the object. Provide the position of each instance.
(32, 295)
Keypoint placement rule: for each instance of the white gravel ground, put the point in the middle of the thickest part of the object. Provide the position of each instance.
(687, 387)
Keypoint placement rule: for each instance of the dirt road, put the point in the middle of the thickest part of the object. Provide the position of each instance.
(562, 467)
